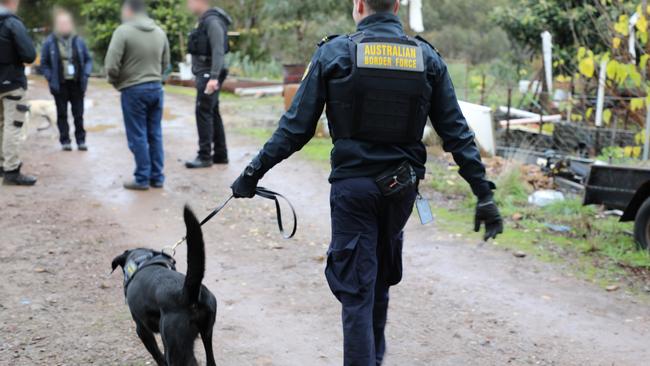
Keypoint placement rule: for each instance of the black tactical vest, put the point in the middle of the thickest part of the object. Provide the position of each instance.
(8, 55)
(386, 98)
(199, 42)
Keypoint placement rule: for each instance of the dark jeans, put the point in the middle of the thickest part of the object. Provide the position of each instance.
(70, 93)
(142, 106)
(364, 261)
(212, 136)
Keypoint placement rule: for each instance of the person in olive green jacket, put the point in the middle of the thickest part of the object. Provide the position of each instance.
(136, 62)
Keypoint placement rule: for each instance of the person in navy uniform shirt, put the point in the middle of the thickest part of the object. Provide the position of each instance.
(380, 87)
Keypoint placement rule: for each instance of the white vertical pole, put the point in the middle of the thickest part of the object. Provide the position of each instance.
(547, 48)
(600, 104)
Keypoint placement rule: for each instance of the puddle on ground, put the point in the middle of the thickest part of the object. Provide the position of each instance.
(99, 128)
(168, 115)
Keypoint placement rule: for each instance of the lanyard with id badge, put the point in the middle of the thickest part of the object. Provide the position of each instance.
(424, 210)
(71, 69)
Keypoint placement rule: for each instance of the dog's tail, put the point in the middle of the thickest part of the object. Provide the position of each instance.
(195, 258)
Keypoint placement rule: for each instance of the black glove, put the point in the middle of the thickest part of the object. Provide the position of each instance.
(246, 185)
(487, 213)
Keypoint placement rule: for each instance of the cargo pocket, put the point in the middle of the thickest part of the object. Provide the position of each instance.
(342, 270)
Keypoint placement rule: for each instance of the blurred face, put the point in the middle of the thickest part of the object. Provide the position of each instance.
(127, 13)
(11, 5)
(63, 24)
(198, 7)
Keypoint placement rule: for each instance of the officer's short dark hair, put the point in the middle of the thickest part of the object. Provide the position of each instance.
(137, 6)
(381, 5)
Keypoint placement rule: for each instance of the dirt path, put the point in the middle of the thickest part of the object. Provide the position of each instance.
(459, 303)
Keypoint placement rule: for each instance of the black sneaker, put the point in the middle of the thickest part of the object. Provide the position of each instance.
(82, 146)
(135, 186)
(66, 147)
(220, 160)
(15, 178)
(198, 164)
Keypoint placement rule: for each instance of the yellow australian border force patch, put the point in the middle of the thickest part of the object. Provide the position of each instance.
(390, 56)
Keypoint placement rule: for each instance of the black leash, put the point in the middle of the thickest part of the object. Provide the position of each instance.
(261, 192)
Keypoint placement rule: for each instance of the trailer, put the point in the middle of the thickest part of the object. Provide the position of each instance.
(623, 188)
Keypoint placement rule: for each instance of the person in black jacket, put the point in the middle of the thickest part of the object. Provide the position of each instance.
(379, 86)
(17, 49)
(208, 45)
(66, 64)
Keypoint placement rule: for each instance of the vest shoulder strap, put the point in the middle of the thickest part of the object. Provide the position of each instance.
(421, 39)
(327, 39)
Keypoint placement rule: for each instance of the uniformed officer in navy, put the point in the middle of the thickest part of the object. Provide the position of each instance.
(379, 87)
(208, 44)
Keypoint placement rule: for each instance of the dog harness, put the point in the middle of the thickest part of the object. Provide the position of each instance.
(134, 266)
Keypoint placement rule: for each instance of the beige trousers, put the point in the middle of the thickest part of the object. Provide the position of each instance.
(13, 114)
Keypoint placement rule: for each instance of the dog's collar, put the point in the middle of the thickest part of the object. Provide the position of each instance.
(133, 266)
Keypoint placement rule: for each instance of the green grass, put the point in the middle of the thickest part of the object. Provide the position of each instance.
(599, 248)
(317, 150)
(191, 92)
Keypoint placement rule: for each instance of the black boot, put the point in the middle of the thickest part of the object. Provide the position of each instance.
(2, 172)
(220, 160)
(15, 178)
(198, 163)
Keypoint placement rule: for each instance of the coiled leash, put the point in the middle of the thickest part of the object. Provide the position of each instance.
(261, 192)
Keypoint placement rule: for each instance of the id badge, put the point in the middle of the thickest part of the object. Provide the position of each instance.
(71, 69)
(424, 210)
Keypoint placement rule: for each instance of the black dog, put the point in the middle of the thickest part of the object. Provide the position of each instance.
(164, 301)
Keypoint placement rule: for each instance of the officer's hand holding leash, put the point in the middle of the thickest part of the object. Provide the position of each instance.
(246, 185)
(487, 213)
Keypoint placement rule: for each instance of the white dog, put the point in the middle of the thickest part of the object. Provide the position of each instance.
(39, 110)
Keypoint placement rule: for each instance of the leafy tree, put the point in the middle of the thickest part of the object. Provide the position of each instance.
(460, 29)
(103, 17)
(298, 25)
(571, 22)
(38, 13)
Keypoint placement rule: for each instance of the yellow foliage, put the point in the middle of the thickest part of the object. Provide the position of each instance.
(642, 24)
(636, 104)
(616, 43)
(607, 116)
(587, 67)
(621, 25)
(643, 62)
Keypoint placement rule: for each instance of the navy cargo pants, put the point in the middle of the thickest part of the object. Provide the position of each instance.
(364, 261)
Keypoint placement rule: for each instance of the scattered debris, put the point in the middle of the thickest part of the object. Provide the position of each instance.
(612, 288)
(617, 213)
(517, 217)
(519, 254)
(558, 228)
(41, 270)
(545, 197)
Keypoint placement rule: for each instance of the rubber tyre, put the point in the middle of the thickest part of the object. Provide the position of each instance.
(642, 225)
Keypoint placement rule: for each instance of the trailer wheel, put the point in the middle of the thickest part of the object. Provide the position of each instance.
(642, 225)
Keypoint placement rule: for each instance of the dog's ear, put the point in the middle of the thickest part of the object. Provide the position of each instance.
(120, 260)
